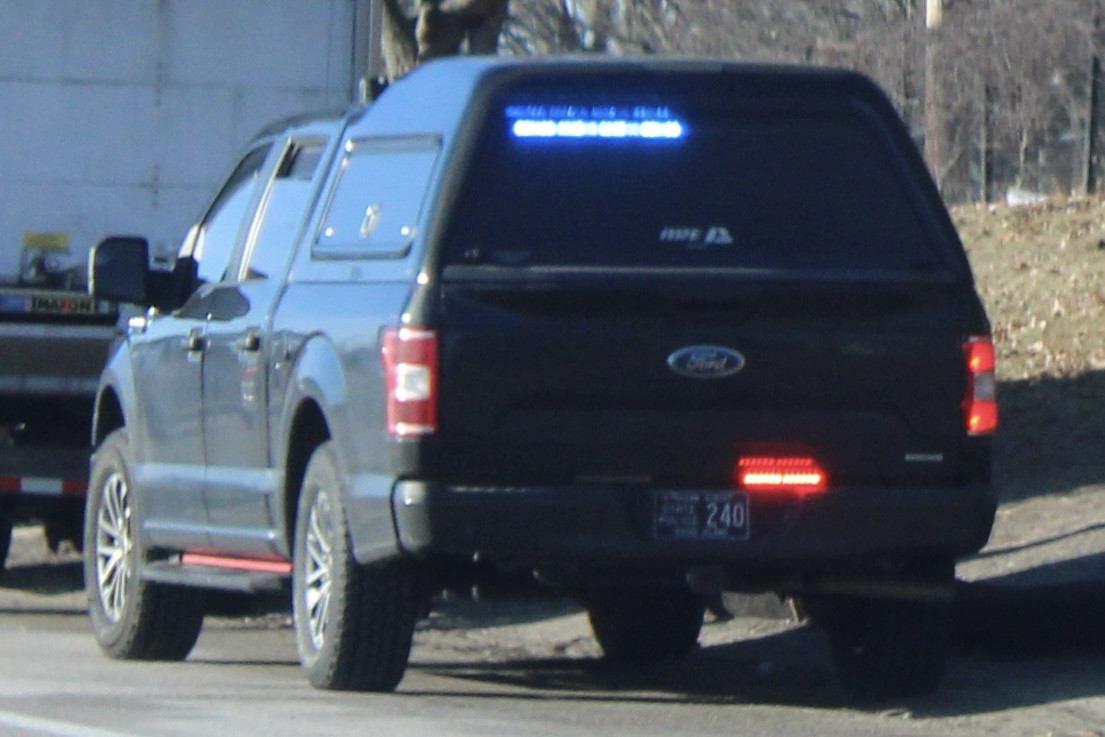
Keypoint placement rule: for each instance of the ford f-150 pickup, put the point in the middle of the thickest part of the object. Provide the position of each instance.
(653, 330)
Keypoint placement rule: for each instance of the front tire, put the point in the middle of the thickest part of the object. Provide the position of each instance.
(132, 619)
(5, 540)
(646, 626)
(354, 623)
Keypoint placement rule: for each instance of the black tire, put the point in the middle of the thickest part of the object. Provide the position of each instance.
(5, 540)
(646, 626)
(132, 619)
(886, 649)
(66, 524)
(354, 623)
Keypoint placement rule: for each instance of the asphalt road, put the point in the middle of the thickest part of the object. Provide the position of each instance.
(500, 669)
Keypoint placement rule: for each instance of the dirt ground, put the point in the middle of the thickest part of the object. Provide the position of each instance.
(1041, 274)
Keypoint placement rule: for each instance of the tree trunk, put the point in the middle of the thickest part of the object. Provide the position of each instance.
(440, 28)
(444, 26)
(398, 44)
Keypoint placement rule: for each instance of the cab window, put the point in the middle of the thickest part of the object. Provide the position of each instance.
(220, 228)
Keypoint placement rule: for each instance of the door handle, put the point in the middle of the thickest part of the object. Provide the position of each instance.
(195, 340)
(251, 341)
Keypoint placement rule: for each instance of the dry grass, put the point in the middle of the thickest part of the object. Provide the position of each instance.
(1041, 273)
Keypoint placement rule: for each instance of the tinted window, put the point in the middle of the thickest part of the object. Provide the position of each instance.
(283, 209)
(302, 160)
(378, 196)
(220, 228)
(685, 180)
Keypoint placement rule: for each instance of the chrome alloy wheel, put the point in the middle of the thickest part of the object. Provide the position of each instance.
(319, 571)
(113, 546)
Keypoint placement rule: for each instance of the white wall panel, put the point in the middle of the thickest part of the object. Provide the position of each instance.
(79, 40)
(76, 133)
(242, 42)
(120, 116)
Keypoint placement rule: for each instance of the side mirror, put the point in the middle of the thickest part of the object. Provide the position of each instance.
(169, 290)
(118, 269)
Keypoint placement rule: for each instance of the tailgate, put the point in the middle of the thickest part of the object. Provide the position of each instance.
(609, 378)
(608, 228)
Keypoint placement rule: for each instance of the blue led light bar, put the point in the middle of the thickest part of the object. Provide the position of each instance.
(570, 121)
(536, 128)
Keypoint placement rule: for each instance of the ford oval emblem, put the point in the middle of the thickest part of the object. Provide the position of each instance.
(706, 361)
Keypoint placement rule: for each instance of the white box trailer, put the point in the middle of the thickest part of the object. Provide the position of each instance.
(118, 117)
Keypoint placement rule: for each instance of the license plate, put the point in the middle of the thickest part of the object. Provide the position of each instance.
(700, 515)
(46, 303)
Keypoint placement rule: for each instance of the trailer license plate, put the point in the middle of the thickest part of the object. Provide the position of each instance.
(700, 515)
(45, 303)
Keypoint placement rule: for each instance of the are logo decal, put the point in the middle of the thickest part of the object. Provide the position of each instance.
(706, 361)
(695, 237)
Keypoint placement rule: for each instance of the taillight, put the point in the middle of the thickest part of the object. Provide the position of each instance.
(411, 367)
(980, 405)
(783, 473)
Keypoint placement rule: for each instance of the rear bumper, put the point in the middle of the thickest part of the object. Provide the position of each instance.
(42, 482)
(848, 529)
(44, 470)
(53, 360)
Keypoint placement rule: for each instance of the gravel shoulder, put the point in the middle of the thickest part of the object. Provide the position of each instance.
(1032, 659)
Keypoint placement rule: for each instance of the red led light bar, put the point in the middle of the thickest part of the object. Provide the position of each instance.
(781, 473)
(255, 565)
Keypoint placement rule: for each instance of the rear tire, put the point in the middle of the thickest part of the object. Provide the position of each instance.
(885, 649)
(64, 525)
(646, 626)
(354, 623)
(132, 619)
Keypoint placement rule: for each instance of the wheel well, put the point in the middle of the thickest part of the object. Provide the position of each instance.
(309, 430)
(109, 416)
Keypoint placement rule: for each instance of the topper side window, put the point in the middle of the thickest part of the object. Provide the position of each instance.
(375, 204)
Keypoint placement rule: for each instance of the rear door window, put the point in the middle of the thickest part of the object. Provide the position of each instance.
(281, 212)
(221, 227)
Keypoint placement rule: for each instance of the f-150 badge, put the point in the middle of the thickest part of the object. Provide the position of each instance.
(706, 361)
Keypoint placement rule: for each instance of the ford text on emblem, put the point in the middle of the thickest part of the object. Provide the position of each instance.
(705, 361)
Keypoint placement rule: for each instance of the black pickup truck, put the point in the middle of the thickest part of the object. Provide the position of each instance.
(653, 330)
